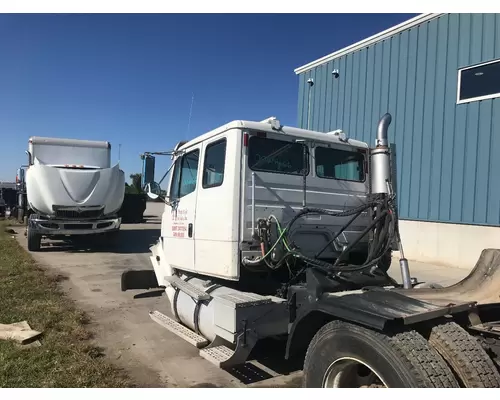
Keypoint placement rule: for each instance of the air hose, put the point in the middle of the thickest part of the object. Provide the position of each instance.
(383, 226)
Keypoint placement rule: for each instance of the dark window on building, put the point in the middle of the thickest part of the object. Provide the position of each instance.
(339, 164)
(278, 156)
(213, 169)
(479, 82)
(185, 173)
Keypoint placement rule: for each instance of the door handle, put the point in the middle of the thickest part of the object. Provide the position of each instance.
(190, 230)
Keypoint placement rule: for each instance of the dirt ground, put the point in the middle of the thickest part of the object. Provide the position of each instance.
(153, 356)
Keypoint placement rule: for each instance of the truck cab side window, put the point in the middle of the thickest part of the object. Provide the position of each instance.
(185, 174)
(213, 169)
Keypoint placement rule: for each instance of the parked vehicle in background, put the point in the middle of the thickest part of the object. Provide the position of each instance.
(2, 207)
(69, 188)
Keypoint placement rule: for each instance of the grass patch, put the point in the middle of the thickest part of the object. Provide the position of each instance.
(67, 356)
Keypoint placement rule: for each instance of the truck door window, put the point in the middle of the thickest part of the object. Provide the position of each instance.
(189, 173)
(174, 188)
(278, 156)
(185, 174)
(339, 164)
(213, 169)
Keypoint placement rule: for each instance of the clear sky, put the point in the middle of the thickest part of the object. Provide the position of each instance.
(129, 78)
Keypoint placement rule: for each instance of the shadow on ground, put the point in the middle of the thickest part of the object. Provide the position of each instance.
(266, 361)
(129, 241)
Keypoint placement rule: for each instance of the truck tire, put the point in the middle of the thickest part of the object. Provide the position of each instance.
(346, 355)
(465, 356)
(20, 215)
(34, 240)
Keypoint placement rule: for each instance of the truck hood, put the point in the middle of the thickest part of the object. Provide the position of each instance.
(49, 186)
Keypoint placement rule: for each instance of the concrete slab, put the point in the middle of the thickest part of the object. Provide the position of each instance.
(430, 273)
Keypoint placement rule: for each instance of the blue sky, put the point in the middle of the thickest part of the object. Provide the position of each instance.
(129, 78)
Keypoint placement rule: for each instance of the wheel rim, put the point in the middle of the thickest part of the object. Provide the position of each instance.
(349, 372)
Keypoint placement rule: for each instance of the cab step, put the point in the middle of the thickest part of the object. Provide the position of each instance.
(192, 291)
(224, 357)
(218, 355)
(180, 330)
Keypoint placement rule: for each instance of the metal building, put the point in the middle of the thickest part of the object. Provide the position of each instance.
(439, 77)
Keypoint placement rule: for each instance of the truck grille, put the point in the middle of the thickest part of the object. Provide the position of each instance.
(79, 214)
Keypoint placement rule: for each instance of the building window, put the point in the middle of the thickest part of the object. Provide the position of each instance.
(278, 156)
(185, 175)
(339, 164)
(479, 82)
(213, 169)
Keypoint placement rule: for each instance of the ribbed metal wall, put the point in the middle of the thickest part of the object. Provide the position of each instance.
(448, 155)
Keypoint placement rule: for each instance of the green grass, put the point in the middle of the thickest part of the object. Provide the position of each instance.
(67, 356)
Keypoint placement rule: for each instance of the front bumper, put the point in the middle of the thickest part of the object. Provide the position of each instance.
(66, 227)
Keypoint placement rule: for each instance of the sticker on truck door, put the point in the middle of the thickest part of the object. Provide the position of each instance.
(179, 219)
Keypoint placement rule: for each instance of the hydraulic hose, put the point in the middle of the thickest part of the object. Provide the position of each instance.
(383, 225)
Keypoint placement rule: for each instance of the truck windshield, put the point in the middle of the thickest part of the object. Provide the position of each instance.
(61, 155)
(278, 156)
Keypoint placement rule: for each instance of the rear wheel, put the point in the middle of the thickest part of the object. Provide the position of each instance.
(344, 355)
(34, 239)
(20, 214)
(464, 354)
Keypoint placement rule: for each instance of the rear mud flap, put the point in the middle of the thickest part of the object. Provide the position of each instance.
(482, 285)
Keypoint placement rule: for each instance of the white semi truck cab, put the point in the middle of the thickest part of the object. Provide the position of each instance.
(273, 232)
(71, 189)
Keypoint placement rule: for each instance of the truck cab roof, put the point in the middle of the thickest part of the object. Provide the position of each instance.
(285, 130)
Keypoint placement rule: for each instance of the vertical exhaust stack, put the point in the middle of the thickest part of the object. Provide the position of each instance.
(380, 158)
(381, 179)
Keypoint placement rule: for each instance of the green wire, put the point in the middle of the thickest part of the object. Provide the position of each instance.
(282, 232)
(274, 245)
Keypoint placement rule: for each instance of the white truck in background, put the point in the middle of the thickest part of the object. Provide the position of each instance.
(70, 188)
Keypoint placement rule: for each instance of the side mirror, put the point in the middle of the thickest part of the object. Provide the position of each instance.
(153, 190)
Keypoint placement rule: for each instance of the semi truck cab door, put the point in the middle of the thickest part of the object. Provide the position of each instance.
(178, 233)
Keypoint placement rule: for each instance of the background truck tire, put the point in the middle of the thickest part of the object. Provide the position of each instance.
(34, 240)
(20, 215)
(465, 356)
(401, 360)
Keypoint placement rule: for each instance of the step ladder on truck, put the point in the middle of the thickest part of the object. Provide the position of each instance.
(277, 232)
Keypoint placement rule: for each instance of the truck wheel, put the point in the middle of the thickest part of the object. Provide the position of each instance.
(344, 355)
(465, 356)
(20, 214)
(34, 240)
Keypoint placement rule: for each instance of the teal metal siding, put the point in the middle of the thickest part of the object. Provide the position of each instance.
(448, 155)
